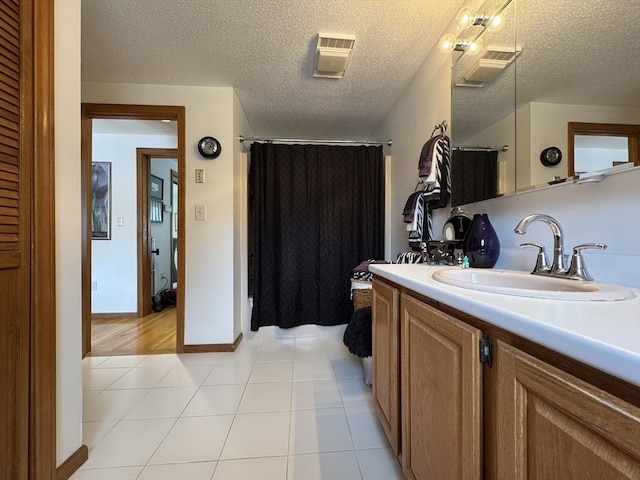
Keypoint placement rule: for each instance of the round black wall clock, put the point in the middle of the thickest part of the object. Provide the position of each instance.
(550, 157)
(209, 147)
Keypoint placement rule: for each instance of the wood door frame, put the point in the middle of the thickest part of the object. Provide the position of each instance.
(143, 170)
(37, 156)
(92, 111)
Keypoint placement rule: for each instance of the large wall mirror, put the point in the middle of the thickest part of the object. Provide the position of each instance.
(575, 62)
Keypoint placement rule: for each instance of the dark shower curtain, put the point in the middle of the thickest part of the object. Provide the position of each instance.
(317, 211)
(474, 176)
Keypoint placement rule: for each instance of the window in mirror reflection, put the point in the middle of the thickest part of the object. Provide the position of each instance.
(597, 152)
(598, 146)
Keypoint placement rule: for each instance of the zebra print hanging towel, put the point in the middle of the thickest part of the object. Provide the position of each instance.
(435, 171)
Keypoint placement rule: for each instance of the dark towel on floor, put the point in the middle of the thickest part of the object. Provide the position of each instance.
(357, 335)
(474, 176)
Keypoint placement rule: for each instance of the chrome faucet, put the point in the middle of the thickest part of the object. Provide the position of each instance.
(576, 271)
(557, 264)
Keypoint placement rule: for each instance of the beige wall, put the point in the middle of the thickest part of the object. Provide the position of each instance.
(409, 123)
(68, 228)
(209, 266)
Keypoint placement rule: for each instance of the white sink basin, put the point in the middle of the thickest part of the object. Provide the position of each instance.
(524, 284)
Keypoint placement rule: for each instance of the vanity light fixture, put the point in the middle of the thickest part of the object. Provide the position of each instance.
(449, 43)
(468, 17)
(464, 27)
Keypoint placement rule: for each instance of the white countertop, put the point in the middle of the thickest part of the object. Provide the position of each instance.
(605, 335)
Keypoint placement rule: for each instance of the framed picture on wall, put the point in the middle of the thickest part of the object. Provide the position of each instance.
(101, 201)
(156, 187)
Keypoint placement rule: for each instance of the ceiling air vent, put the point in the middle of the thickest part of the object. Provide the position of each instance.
(488, 66)
(332, 54)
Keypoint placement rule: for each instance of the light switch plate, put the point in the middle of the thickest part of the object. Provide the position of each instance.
(199, 175)
(201, 213)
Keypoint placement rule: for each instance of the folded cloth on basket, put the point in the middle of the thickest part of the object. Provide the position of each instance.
(363, 276)
(364, 266)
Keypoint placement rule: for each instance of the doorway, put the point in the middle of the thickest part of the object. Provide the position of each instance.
(139, 320)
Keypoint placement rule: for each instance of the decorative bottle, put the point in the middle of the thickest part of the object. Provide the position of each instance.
(481, 245)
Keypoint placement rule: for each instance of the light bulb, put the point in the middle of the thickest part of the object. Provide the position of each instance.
(495, 23)
(448, 42)
(465, 18)
(474, 46)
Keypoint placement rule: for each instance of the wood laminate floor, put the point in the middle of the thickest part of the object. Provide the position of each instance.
(128, 335)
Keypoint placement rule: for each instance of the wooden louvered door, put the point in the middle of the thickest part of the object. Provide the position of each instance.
(27, 242)
(14, 255)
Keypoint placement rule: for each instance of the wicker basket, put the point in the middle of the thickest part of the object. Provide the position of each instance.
(362, 294)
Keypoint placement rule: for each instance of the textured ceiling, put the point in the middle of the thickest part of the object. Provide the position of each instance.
(265, 50)
(573, 52)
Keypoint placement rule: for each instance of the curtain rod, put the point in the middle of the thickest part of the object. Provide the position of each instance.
(243, 139)
(503, 148)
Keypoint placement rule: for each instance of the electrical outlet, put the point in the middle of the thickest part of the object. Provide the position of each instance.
(201, 213)
(199, 175)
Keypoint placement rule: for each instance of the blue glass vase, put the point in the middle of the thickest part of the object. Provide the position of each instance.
(482, 246)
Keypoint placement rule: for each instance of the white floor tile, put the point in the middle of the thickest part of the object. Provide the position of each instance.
(312, 369)
(182, 471)
(268, 468)
(112, 404)
(379, 464)
(271, 372)
(347, 367)
(185, 376)
(122, 361)
(366, 431)
(92, 432)
(139, 377)
(198, 358)
(281, 350)
(215, 400)
(101, 378)
(315, 394)
(163, 403)
(117, 473)
(323, 430)
(129, 443)
(324, 466)
(311, 347)
(165, 360)
(266, 397)
(195, 439)
(92, 362)
(257, 435)
(229, 374)
(274, 405)
(354, 391)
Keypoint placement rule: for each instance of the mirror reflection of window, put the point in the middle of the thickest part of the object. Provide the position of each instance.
(598, 152)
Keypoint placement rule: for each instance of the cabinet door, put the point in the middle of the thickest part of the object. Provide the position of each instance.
(386, 381)
(552, 425)
(441, 395)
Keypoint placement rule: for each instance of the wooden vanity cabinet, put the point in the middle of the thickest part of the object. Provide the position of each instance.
(519, 416)
(386, 360)
(441, 394)
(552, 425)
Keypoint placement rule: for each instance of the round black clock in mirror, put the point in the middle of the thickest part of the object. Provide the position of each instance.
(209, 147)
(550, 157)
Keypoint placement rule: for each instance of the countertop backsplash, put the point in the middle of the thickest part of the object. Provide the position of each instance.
(606, 212)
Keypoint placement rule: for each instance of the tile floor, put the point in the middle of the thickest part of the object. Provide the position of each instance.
(287, 405)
